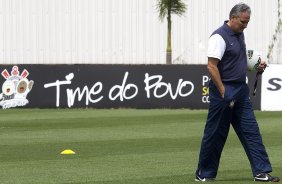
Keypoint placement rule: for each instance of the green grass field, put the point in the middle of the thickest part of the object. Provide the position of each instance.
(123, 146)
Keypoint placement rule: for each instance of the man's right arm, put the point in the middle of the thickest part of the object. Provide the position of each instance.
(215, 76)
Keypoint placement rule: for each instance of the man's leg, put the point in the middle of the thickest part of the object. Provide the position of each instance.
(215, 135)
(246, 127)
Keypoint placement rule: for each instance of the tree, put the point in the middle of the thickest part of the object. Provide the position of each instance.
(166, 8)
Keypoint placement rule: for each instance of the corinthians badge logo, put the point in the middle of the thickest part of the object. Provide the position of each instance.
(15, 88)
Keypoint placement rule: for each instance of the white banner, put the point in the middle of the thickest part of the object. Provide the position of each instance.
(271, 93)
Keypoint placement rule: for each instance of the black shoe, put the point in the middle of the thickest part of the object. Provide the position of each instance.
(265, 177)
(198, 178)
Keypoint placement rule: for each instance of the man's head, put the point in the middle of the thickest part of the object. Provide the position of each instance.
(239, 17)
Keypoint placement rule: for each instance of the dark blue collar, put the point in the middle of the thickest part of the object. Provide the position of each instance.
(229, 30)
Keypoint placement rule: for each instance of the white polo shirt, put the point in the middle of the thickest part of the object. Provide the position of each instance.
(216, 46)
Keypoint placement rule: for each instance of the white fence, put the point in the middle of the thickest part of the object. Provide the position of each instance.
(119, 31)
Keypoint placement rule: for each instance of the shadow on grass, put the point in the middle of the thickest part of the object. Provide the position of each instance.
(174, 179)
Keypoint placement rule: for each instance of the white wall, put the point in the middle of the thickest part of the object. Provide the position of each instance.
(119, 31)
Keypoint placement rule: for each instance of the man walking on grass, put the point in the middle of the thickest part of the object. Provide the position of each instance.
(230, 102)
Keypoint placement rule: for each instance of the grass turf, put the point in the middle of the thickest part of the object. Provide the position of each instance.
(121, 146)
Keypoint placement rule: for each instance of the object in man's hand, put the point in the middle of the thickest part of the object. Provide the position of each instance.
(253, 59)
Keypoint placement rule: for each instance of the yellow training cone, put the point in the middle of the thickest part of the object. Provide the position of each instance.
(67, 152)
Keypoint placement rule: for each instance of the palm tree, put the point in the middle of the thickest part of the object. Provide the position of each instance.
(166, 8)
